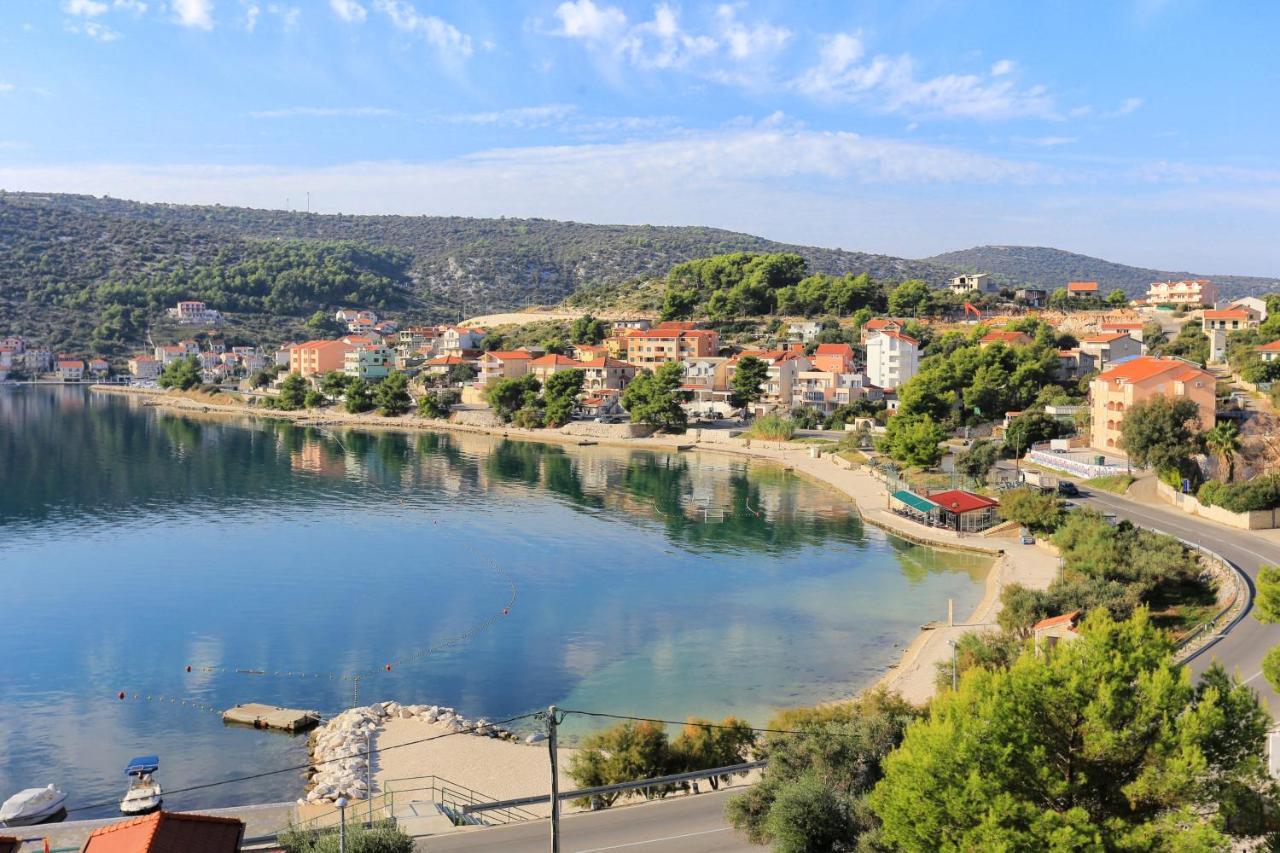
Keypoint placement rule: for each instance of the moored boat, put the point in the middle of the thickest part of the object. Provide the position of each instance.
(145, 794)
(32, 805)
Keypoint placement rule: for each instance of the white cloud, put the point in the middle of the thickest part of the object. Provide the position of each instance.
(325, 112)
(348, 10)
(194, 13)
(288, 15)
(95, 31)
(1003, 67)
(891, 84)
(536, 116)
(437, 32)
(6, 87)
(1127, 106)
(135, 6)
(749, 42)
(584, 19)
(1046, 141)
(87, 8)
(251, 14)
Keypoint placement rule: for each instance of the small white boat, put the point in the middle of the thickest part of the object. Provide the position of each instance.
(145, 794)
(33, 805)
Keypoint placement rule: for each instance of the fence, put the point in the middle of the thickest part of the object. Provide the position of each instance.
(1063, 462)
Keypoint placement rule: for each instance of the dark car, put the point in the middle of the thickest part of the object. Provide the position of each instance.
(1065, 487)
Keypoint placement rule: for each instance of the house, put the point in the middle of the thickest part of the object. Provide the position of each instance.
(1005, 336)
(14, 343)
(655, 347)
(455, 340)
(833, 358)
(826, 391)
(589, 352)
(1132, 328)
(218, 345)
(548, 365)
(1188, 293)
(144, 367)
(892, 358)
(386, 328)
(1047, 633)
(38, 360)
(1269, 352)
(779, 383)
(209, 360)
(1073, 363)
(415, 337)
(1110, 348)
(1085, 289)
(503, 364)
(1218, 323)
(604, 405)
(168, 832)
(71, 370)
(98, 367)
(965, 512)
(315, 358)
(805, 331)
(192, 312)
(973, 283)
(1032, 296)
(880, 324)
(1113, 392)
(166, 354)
(281, 358)
(638, 325)
(442, 364)
(606, 374)
(368, 361)
(1254, 304)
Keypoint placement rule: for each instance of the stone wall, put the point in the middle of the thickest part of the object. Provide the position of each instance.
(591, 429)
(476, 418)
(1263, 519)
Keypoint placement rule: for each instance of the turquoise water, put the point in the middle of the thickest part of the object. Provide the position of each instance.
(135, 543)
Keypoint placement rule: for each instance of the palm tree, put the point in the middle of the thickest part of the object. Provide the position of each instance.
(1223, 441)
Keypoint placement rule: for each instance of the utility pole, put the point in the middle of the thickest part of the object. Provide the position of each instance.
(552, 722)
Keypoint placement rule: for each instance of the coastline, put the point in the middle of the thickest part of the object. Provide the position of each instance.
(911, 676)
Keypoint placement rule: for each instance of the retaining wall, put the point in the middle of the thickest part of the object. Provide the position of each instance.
(1262, 519)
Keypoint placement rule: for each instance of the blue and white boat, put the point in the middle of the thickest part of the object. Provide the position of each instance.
(145, 794)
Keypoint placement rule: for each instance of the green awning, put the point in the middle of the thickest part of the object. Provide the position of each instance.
(914, 501)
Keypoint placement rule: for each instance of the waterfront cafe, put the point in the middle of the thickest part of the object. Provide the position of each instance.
(915, 507)
(966, 512)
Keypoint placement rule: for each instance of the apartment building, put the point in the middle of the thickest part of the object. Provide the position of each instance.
(1117, 390)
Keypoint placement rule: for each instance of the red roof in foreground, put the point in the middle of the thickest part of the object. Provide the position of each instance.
(168, 832)
(1274, 346)
(1064, 619)
(958, 500)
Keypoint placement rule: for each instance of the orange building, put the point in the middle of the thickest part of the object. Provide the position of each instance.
(833, 358)
(658, 346)
(1113, 392)
(314, 358)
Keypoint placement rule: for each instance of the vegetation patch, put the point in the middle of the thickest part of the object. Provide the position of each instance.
(772, 428)
(1116, 483)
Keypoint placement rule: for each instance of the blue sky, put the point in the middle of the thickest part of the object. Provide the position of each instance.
(1143, 131)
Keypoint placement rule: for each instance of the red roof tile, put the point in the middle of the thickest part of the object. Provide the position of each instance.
(555, 360)
(834, 349)
(1227, 314)
(1082, 286)
(510, 355)
(1147, 366)
(1274, 346)
(168, 832)
(1052, 621)
(1105, 339)
(958, 500)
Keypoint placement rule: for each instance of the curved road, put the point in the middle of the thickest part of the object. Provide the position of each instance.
(1242, 648)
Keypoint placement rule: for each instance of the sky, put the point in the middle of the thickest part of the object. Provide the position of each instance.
(1142, 131)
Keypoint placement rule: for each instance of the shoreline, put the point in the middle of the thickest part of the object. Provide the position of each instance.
(911, 676)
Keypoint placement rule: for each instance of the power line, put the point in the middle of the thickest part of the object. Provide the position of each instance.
(249, 778)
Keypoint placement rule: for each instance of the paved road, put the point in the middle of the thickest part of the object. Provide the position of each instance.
(683, 825)
(1242, 649)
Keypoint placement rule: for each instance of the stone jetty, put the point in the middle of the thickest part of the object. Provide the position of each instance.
(338, 747)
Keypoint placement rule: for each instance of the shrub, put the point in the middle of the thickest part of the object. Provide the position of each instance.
(1031, 509)
(383, 838)
(1256, 494)
(772, 427)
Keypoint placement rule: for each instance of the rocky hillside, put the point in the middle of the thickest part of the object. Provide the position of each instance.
(1051, 268)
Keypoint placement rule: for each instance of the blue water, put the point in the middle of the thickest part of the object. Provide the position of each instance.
(135, 543)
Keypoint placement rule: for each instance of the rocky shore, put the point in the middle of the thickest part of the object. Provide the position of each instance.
(338, 747)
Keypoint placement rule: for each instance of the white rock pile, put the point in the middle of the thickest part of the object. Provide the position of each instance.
(338, 746)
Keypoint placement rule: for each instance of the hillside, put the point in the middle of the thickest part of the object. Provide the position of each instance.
(1051, 268)
(69, 262)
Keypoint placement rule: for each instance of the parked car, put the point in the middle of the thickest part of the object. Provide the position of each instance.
(1068, 489)
(1025, 537)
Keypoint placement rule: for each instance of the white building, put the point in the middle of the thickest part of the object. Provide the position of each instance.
(192, 312)
(979, 282)
(892, 358)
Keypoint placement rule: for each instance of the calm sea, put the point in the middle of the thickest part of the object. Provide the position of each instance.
(135, 543)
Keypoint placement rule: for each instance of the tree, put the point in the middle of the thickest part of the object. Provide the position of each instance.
(1271, 667)
(588, 330)
(1028, 429)
(624, 753)
(461, 373)
(911, 298)
(655, 398)
(1117, 298)
(506, 396)
(1032, 509)
(324, 324)
(700, 747)
(359, 397)
(1160, 432)
(1223, 441)
(380, 838)
(977, 460)
(560, 395)
(334, 384)
(1266, 606)
(182, 374)
(437, 404)
(313, 399)
(913, 440)
(748, 381)
(293, 391)
(679, 303)
(1101, 744)
(391, 395)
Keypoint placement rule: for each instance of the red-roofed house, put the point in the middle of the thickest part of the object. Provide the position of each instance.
(1132, 328)
(966, 512)
(144, 367)
(1220, 322)
(833, 358)
(880, 324)
(99, 367)
(1082, 288)
(1005, 336)
(1269, 352)
(168, 832)
(1056, 629)
(656, 347)
(548, 365)
(1111, 347)
(589, 352)
(503, 364)
(314, 358)
(1113, 392)
(71, 370)
(606, 374)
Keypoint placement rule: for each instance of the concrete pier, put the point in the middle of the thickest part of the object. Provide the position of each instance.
(271, 717)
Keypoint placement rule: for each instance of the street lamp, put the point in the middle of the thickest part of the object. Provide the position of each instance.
(342, 824)
(955, 672)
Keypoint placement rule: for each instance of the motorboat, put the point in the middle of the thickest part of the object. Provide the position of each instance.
(145, 794)
(33, 805)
